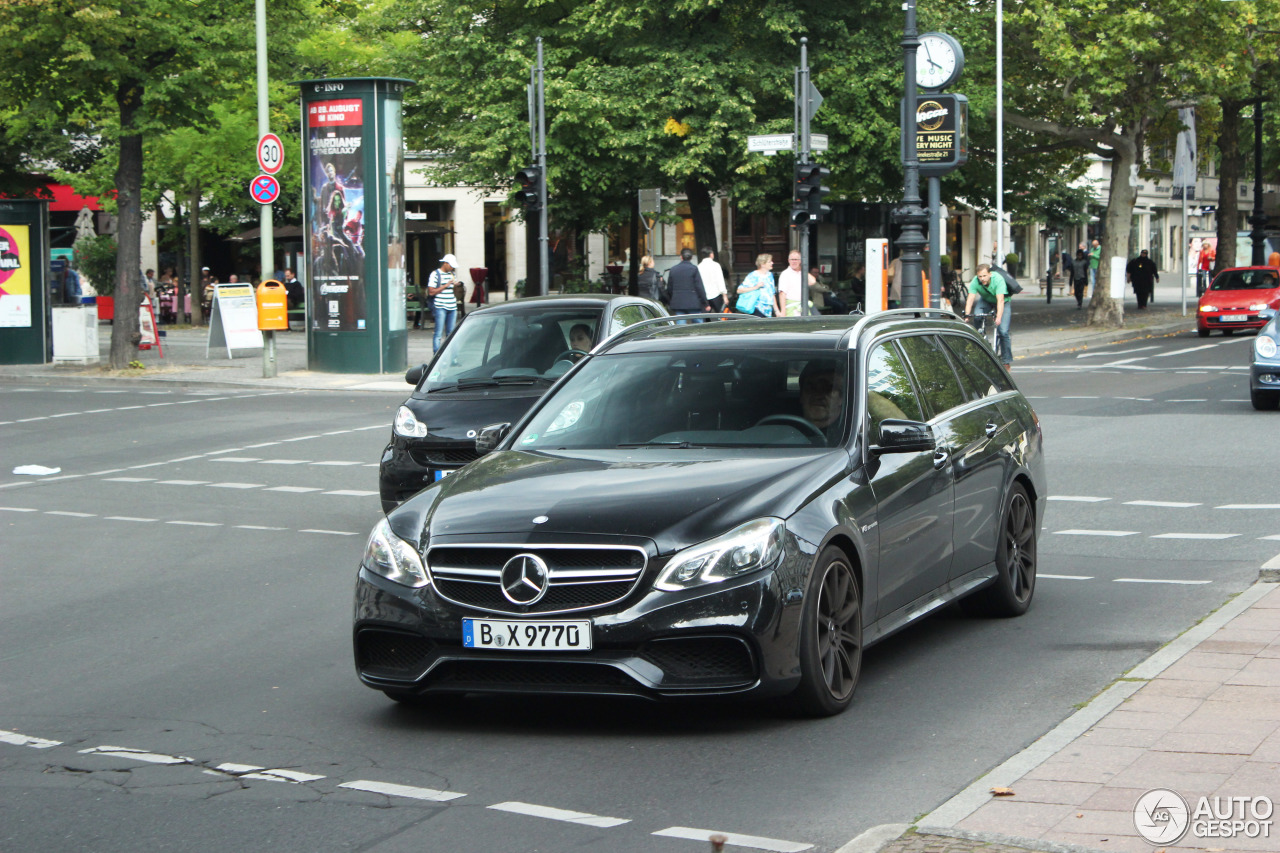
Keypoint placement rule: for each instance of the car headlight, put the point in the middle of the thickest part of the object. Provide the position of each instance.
(396, 560)
(408, 425)
(1265, 346)
(753, 546)
(1208, 307)
(1257, 306)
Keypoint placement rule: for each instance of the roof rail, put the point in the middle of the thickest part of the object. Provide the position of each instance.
(670, 319)
(899, 314)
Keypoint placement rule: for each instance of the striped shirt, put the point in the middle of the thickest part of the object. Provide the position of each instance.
(445, 299)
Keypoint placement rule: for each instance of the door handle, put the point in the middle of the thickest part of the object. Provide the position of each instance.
(991, 430)
(940, 458)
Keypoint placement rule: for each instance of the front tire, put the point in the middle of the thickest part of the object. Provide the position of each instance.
(1015, 583)
(1204, 333)
(831, 637)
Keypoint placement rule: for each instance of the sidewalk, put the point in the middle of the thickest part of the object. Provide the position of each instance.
(1198, 719)
(1038, 328)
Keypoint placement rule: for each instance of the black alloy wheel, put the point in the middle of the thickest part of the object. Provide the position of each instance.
(1015, 582)
(831, 639)
(1264, 400)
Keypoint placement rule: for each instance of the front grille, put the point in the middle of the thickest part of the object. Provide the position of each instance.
(446, 455)
(391, 653)
(701, 660)
(531, 675)
(579, 578)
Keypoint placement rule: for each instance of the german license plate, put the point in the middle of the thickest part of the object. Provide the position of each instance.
(524, 636)
(439, 475)
(1234, 318)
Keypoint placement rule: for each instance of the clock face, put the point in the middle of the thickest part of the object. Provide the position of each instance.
(938, 61)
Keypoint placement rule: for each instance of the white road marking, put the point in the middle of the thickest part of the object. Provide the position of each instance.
(1248, 506)
(1117, 352)
(238, 458)
(72, 514)
(182, 483)
(1077, 498)
(335, 463)
(1079, 397)
(137, 755)
(196, 523)
(1160, 580)
(559, 814)
(1192, 400)
(147, 465)
(128, 518)
(25, 740)
(329, 532)
(236, 485)
(1178, 504)
(295, 489)
(185, 458)
(1067, 577)
(284, 461)
(17, 509)
(391, 790)
(249, 771)
(1194, 535)
(256, 446)
(1075, 532)
(258, 527)
(1125, 361)
(103, 473)
(734, 839)
(1273, 538)
(353, 493)
(300, 438)
(1185, 351)
(130, 479)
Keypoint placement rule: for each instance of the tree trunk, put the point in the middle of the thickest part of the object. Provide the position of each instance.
(704, 222)
(1103, 310)
(129, 227)
(196, 280)
(1228, 185)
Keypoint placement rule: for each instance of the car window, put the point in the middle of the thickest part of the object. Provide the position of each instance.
(889, 390)
(1245, 280)
(933, 371)
(511, 346)
(980, 373)
(626, 315)
(703, 398)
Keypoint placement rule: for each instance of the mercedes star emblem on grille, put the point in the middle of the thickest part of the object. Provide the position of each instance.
(525, 578)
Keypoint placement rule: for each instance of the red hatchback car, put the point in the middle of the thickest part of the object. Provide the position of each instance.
(1235, 297)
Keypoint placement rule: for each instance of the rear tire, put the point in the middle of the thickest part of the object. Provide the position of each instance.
(1010, 594)
(831, 637)
(1264, 401)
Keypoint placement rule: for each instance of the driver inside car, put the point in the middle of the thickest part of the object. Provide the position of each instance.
(580, 339)
(822, 397)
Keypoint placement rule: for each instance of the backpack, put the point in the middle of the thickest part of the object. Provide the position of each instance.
(1010, 283)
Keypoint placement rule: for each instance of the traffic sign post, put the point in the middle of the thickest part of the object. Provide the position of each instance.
(270, 153)
(264, 189)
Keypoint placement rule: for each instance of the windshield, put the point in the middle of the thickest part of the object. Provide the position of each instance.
(1246, 280)
(708, 398)
(513, 348)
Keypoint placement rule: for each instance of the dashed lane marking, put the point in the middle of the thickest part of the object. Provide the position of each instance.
(1248, 506)
(559, 814)
(129, 518)
(137, 755)
(258, 527)
(1078, 498)
(329, 532)
(1174, 504)
(237, 485)
(734, 839)
(25, 740)
(130, 479)
(250, 771)
(1161, 580)
(293, 489)
(17, 509)
(284, 461)
(238, 459)
(71, 514)
(1066, 577)
(391, 790)
(196, 523)
(351, 493)
(1195, 535)
(182, 482)
(1096, 532)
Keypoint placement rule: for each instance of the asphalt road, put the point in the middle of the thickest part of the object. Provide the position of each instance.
(175, 664)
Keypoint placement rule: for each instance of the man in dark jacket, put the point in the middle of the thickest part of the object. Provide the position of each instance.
(1141, 272)
(684, 283)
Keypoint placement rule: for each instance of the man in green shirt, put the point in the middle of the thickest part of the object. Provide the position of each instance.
(1095, 258)
(991, 295)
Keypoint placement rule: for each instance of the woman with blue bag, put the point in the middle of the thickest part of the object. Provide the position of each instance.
(757, 294)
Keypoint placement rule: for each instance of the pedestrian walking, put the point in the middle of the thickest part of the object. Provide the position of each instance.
(712, 278)
(445, 305)
(895, 283)
(789, 286)
(989, 296)
(1095, 258)
(649, 283)
(1080, 274)
(756, 293)
(684, 283)
(1204, 268)
(1142, 274)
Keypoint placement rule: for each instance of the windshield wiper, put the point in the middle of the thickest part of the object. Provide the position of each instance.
(492, 382)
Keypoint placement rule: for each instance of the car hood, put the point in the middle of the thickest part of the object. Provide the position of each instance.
(460, 414)
(674, 498)
(1239, 298)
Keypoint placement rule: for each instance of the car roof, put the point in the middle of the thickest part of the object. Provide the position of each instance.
(824, 332)
(558, 301)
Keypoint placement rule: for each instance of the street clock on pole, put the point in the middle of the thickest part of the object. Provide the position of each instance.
(939, 61)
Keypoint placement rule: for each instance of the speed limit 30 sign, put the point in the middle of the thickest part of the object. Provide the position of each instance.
(270, 153)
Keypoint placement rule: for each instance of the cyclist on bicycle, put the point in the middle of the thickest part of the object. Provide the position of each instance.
(990, 293)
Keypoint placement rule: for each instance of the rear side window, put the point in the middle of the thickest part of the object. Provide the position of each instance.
(627, 315)
(889, 390)
(938, 382)
(980, 372)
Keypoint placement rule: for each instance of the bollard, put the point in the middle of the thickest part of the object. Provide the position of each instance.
(718, 842)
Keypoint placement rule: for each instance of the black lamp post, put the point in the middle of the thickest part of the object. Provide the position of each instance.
(911, 215)
(1259, 218)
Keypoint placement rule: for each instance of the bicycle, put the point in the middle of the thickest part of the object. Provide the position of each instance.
(986, 326)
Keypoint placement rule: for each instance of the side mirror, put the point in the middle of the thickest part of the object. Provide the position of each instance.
(414, 374)
(897, 436)
(489, 437)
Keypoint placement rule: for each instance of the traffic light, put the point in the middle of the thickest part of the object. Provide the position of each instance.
(810, 191)
(530, 192)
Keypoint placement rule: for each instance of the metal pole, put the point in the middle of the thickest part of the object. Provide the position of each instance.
(805, 116)
(935, 241)
(1000, 132)
(544, 261)
(266, 240)
(1186, 251)
(1259, 218)
(912, 216)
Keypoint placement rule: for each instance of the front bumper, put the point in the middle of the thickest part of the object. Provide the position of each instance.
(1264, 376)
(1215, 321)
(732, 638)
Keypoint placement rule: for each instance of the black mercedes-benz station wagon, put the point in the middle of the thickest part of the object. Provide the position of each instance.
(499, 360)
(722, 508)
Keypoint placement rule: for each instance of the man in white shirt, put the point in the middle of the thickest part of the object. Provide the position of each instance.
(789, 281)
(712, 279)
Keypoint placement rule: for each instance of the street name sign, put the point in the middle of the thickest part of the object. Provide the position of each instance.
(772, 142)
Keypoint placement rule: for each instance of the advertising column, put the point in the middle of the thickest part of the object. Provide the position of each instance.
(25, 318)
(353, 169)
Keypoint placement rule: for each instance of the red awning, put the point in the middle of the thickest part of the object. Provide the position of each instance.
(65, 199)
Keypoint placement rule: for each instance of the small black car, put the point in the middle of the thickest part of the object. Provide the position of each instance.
(499, 360)
(725, 508)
